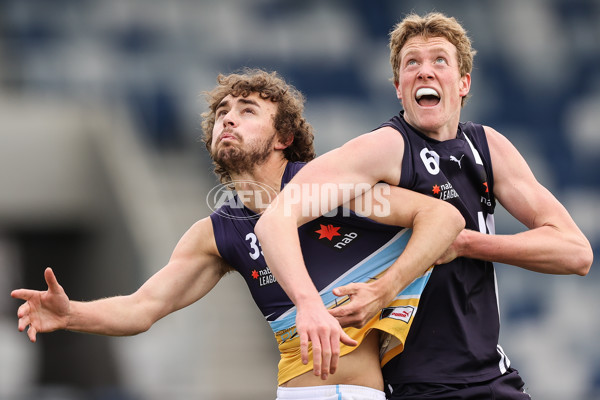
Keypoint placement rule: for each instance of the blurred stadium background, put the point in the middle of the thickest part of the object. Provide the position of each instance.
(102, 170)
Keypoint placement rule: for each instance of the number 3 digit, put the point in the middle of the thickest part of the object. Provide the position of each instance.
(254, 245)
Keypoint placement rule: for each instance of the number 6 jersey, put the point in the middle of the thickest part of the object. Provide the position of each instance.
(454, 338)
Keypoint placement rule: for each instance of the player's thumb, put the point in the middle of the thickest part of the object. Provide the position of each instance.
(347, 340)
(51, 281)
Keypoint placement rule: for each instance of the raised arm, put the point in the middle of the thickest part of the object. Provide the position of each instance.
(552, 243)
(192, 271)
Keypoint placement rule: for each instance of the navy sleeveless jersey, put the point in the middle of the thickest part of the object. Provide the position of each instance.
(337, 250)
(323, 248)
(454, 338)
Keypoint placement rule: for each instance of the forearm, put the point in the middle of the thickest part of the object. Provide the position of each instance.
(434, 230)
(278, 236)
(114, 316)
(543, 249)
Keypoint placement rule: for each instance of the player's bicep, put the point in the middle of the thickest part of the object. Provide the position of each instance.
(369, 158)
(515, 186)
(192, 271)
(344, 173)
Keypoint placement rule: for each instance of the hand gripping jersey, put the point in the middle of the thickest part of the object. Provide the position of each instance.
(337, 250)
(454, 338)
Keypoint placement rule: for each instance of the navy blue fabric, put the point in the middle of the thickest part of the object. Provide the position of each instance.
(454, 337)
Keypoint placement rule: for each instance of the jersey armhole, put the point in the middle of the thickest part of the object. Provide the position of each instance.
(407, 178)
(218, 232)
(480, 138)
(407, 175)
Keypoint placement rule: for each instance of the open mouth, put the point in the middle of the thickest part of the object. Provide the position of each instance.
(427, 97)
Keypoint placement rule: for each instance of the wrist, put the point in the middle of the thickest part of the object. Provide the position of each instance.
(462, 242)
(69, 318)
(308, 300)
(386, 288)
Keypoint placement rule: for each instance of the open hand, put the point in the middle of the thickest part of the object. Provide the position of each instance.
(314, 324)
(43, 311)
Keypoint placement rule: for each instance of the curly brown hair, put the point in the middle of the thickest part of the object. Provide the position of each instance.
(288, 121)
(434, 24)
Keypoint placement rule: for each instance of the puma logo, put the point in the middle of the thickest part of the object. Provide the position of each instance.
(457, 160)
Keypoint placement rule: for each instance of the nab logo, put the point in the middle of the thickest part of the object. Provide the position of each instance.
(329, 232)
(402, 313)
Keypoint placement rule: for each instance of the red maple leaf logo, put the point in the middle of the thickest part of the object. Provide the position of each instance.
(255, 274)
(436, 189)
(328, 231)
(486, 187)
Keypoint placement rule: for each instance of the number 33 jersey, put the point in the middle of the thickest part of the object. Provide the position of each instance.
(337, 250)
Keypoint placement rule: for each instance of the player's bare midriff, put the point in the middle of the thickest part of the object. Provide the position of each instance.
(360, 367)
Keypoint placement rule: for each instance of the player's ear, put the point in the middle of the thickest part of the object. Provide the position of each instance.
(284, 142)
(465, 85)
(398, 90)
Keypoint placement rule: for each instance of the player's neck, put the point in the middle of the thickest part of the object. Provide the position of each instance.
(258, 187)
(440, 129)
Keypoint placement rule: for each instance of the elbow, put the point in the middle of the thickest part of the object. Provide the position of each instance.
(453, 217)
(441, 212)
(144, 327)
(147, 321)
(260, 228)
(459, 221)
(582, 263)
(143, 312)
(579, 259)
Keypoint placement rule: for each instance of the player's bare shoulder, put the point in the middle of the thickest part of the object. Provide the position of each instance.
(198, 241)
(381, 138)
(201, 229)
(383, 148)
(496, 140)
(501, 149)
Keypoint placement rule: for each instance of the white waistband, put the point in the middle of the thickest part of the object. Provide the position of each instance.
(329, 392)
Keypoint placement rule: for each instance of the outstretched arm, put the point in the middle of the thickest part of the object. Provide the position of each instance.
(552, 244)
(193, 270)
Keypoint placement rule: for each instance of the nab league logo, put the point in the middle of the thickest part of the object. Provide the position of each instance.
(330, 232)
(402, 313)
(263, 276)
(257, 193)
